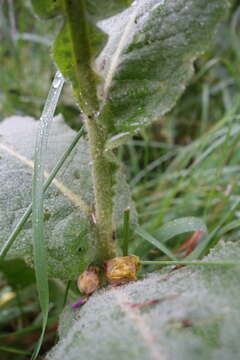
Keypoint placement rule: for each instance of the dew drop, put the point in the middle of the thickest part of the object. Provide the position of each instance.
(57, 81)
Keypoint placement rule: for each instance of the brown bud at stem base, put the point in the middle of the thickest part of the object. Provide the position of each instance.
(122, 269)
(89, 280)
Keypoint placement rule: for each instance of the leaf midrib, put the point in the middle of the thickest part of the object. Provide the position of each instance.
(115, 59)
(73, 197)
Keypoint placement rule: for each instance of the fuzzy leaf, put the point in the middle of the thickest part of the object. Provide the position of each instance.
(69, 235)
(149, 58)
(194, 318)
(69, 230)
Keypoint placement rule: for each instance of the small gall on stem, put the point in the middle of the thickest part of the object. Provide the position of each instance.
(89, 280)
(121, 270)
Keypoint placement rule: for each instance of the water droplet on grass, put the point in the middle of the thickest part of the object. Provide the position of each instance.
(58, 80)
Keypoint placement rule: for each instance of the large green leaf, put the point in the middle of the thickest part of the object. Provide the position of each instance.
(149, 58)
(69, 229)
(193, 317)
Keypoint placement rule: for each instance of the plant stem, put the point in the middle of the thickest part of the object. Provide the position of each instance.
(181, 262)
(102, 171)
(84, 77)
(85, 88)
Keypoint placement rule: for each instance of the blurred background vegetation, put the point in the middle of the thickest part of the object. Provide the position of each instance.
(187, 164)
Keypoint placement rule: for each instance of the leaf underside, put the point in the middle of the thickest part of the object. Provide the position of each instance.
(195, 318)
(68, 227)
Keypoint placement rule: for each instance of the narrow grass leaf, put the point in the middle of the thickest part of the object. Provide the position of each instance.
(126, 218)
(233, 225)
(152, 166)
(39, 250)
(66, 293)
(13, 350)
(146, 236)
(20, 332)
(184, 263)
(210, 240)
(180, 226)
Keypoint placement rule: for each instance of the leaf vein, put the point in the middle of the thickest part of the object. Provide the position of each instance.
(156, 351)
(74, 198)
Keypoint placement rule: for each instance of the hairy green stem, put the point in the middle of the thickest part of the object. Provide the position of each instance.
(85, 88)
(84, 82)
(103, 184)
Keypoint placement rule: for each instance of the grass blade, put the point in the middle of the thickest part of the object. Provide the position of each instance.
(126, 218)
(180, 226)
(13, 350)
(39, 250)
(66, 293)
(210, 240)
(146, 236)
(205, 263)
